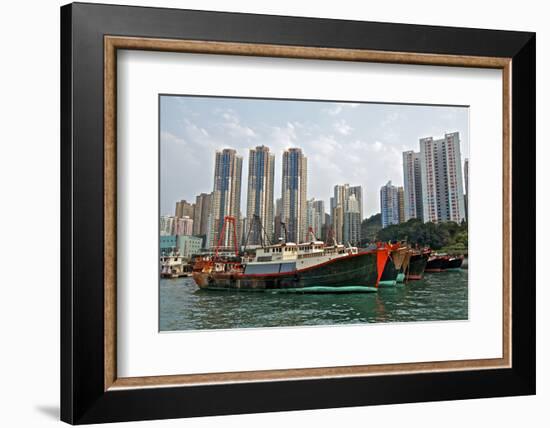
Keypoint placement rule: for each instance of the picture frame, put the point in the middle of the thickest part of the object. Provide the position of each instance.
(91, 391)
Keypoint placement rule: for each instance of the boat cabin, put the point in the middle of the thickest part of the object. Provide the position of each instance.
(282, 258)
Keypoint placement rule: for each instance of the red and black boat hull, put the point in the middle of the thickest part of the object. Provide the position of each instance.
(455, 262)
(352, 273)
(417, 266)
(437, 264)
(389, 275)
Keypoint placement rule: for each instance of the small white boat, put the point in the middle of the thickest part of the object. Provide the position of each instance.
(172, 265)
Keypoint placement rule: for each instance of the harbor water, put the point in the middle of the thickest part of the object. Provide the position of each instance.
(437, 297)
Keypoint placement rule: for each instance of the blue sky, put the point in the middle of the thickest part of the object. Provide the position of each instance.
(355, 143)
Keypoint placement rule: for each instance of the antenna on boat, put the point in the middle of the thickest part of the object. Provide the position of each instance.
(264, 238)
(247, 237)
(332, 236)
(310, 232)
(262, 234)
(256, 222)
(283, 226)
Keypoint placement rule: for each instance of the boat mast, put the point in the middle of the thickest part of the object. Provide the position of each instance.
(332, 236)
(233, 221)
(310, 232)
(264, 239)
(283, 226)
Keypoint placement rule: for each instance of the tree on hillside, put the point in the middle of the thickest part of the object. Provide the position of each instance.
(434, 235)
(370, 227)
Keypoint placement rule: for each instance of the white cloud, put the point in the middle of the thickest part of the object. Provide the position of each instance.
(194, 131)
(283, 137)
(168, 137)
(342, 127)
(377, 146)
(334, 111)
(233, 126)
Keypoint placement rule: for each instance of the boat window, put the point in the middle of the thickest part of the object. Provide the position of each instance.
(287, 267)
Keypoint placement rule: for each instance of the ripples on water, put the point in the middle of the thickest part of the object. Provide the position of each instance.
(440, 296)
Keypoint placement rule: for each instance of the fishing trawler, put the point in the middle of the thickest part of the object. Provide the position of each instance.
(444, 262)
(455, 262)
(397, 264)
(417, 264)
(311, 267)
(437, 263)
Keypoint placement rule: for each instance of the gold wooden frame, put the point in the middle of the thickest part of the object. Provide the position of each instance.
(113, 43)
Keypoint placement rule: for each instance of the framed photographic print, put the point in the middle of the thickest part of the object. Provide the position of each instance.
(265, 213)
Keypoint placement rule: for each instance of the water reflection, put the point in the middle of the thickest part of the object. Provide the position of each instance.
(441, 296)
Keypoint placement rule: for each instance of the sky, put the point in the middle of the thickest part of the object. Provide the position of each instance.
(355, 143)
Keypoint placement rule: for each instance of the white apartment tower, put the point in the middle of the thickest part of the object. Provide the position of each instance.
(316, 217)
(442, 188)
(352, 221)
(340, 206)
(389, 204)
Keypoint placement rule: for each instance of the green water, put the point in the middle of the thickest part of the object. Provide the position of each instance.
(439, 296)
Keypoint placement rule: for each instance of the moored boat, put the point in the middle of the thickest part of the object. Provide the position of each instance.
(297, 268)
(172, 265)
(437, 263)
(396, 265)
(417, 264)
(455, 262)
(389, 275)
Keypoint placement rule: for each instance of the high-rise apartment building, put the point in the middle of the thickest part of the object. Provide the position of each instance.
(184, 208)
(316, 217)
(337, 216)
(389, 204)
(357, 191)
(183, 226)
(339, 206)
(259, 206)
(201, 213)
(294, 194)
(401, 202)
(167, 225)
(226, 197)
(352, 221)
(442, 188)
(327, 229)
(412, 189)
(278, 232)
